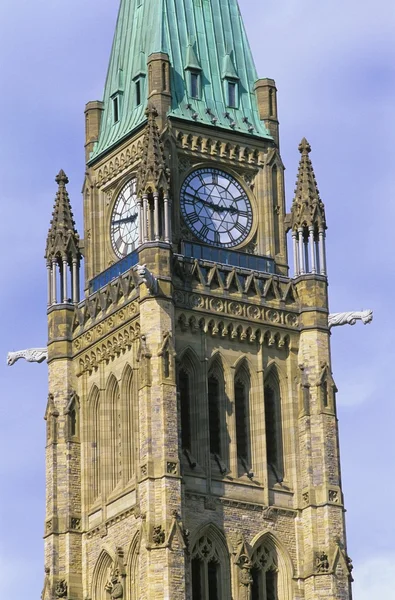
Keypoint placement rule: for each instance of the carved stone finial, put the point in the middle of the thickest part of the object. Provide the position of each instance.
(61, 178)
(307, 210)
(304, 147)
(350, 318)
(63, 240)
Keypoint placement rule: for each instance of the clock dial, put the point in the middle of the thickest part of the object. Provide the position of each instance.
(125, 221)
(216, 208)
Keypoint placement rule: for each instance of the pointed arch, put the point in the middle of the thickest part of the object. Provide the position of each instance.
(101, 575)
(188, 380)
(272, 569)
(112, 426)
(133, 567)
(242, 389)
(94, 444)
(273, 424)
(216, 407)
(210, 564)
(129, 409)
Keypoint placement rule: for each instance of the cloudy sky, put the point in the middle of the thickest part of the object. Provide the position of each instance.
(334, 64)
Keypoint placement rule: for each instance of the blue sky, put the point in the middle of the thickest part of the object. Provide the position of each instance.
(334, 65)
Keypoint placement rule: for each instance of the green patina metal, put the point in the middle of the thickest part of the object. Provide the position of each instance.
(206, 37)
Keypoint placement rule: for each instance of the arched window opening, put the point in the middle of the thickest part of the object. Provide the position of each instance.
(206, 571)
(214, 415)
(185, 403)
(276, 209)
(243, 430)
(73, 422)
(94, 454)
(274, 443)
(114, 435)
(164, 77)
(264, 574)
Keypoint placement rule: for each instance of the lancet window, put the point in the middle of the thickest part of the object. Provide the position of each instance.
(242, 409)
(206, 571)
(264, 574)
(273, 427)
(214, 391)
(184, 382)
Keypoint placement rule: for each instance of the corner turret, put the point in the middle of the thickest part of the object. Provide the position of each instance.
(63, 254)
(307, 219)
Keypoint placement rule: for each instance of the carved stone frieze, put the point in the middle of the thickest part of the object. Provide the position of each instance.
(242, 310)
(102, 529)
(246, 155)
(231, 281)
(233, 330)
(109, 348)
(107, 301)
(123, 161)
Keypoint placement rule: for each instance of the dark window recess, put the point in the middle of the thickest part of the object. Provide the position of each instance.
(73, 422)
(197, 579)
(166, 364)
(115, 104)
(185, 410)
(271, 585)
(324, 387)
(256, 587)
(138, 93)
(214, 415)
(164, 77)
(271, 427)
(232, 94)
(195, 92)
(212, 573)
(241, 421)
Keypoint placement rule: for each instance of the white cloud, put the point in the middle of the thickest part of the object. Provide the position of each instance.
(375, 579)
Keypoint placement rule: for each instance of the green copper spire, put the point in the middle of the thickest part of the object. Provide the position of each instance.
(203, 37)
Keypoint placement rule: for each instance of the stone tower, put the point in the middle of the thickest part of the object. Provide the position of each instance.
(192, 443)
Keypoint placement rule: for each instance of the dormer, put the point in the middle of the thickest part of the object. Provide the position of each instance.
(231, 81)
(193, 70)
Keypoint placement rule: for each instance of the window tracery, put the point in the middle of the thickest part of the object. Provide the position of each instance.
(206, 570)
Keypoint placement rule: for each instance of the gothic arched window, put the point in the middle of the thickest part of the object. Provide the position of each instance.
(214, 414)
(113, 433)
(273, 426)
(94, 467)
(185, 409)
(206, 570)
(242, 410)
(264, 573)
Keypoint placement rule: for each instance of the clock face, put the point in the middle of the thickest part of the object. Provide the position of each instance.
(216, 208)
(125, 221)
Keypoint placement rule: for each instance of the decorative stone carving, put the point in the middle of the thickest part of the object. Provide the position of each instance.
(350, 318)
(115, 586)
(158, 535)
(333, 496)
(33, 355)
(148, 278)
(322, 563)
(61, 589)
(172, 468)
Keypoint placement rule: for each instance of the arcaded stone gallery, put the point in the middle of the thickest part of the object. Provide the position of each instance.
(192, 442)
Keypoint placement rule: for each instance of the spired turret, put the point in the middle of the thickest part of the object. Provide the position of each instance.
(153, 186)
(62, 253)
(308, 222)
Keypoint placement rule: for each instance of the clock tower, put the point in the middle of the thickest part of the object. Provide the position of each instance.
(192, 443)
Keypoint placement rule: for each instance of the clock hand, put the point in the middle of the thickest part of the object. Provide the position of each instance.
(130, 219)
(218, 208)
